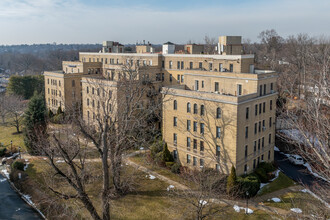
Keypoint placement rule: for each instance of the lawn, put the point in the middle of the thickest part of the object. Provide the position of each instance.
(141, 160)
(149, 199)
(281, 182)
(306, 202)
(8, 133)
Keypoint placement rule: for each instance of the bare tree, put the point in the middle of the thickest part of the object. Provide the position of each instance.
(3, 107)
(120, 115)
(209, 44)
(15, 106)
(202, 199)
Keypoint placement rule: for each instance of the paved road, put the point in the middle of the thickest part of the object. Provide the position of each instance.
(12, 206)
(296, 172)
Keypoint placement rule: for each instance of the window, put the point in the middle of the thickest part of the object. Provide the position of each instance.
(270, 122)
(264, 107)
(217, 167)
(216, 87)
(263, 125)
(188, 107)
(200, 65)
(178, 76)
(175, 154)
(218, 112)
(195, 126)
(259, 108)
(175, 105)
(195, 109)
(175, 121)
(182, 78)
(259, 126)
(254, 163)
(182, 65)
(217, 153)
(269, 138)
(87, 102)
(188, 158)
(202, 128)
(170, 64)
(171, 78)
(231, 68)
(245, 168)
(73, 83)
(188, 142)
(202, 110)
(188, 125)
(260, 90)
(220, 67)
(210, 66)
(201, 146)
(195, 144)
(255, 146)
(246, 151)
(98, 91)
(265, 90)
(255, 128)
(191, 65)
(258, 144)
(93, 103)
(202, 83)
(218, 132)
(87, 90)
(239, 88)
(48, 90)
(262, 157)
(196, 85)
(271, 87)
(256, 109)
(47, 81)
(263, 142)
(163, 64)
(247, 113)
(268, 155)
(194, 161)
(201, 162)
(175, 139)
(246, 132)
(271, 105)
(178, 66)
(93, 90)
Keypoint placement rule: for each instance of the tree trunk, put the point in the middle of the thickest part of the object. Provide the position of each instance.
(106, 178)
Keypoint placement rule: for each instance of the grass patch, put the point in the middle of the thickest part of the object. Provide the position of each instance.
(8, 133)
(281, 182)
(141, 160)
(307, 203)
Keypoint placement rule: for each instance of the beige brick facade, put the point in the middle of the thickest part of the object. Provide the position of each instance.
(222, 92)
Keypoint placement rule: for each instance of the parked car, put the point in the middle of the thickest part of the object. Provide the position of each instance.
(296, 159)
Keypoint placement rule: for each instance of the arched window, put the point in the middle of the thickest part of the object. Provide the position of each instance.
(195, 109)
(175, 105)
(202, 110)
(188, 107)
(218, 112)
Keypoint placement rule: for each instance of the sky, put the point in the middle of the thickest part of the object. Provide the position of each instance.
(157, 21)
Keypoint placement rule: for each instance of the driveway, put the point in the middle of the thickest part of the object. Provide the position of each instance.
(298, 173)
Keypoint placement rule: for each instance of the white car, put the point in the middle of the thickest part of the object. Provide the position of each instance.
(296, 159)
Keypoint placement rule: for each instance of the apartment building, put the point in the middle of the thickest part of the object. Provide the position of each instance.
(217, 110)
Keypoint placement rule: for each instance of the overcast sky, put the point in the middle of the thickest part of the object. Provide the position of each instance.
(157, 21)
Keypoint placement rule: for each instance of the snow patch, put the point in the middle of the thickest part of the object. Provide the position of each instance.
(276, 199)
(5, 172)
(60, 161)
(17, 209)
(276, 173)
(2, 180)
(202, 202)
(309, 168)
(296, 210)
(276, 148)
(151, 177)
(304, 190)
(238, 209)
(26, 166)
(170, 187)
(141, 148)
